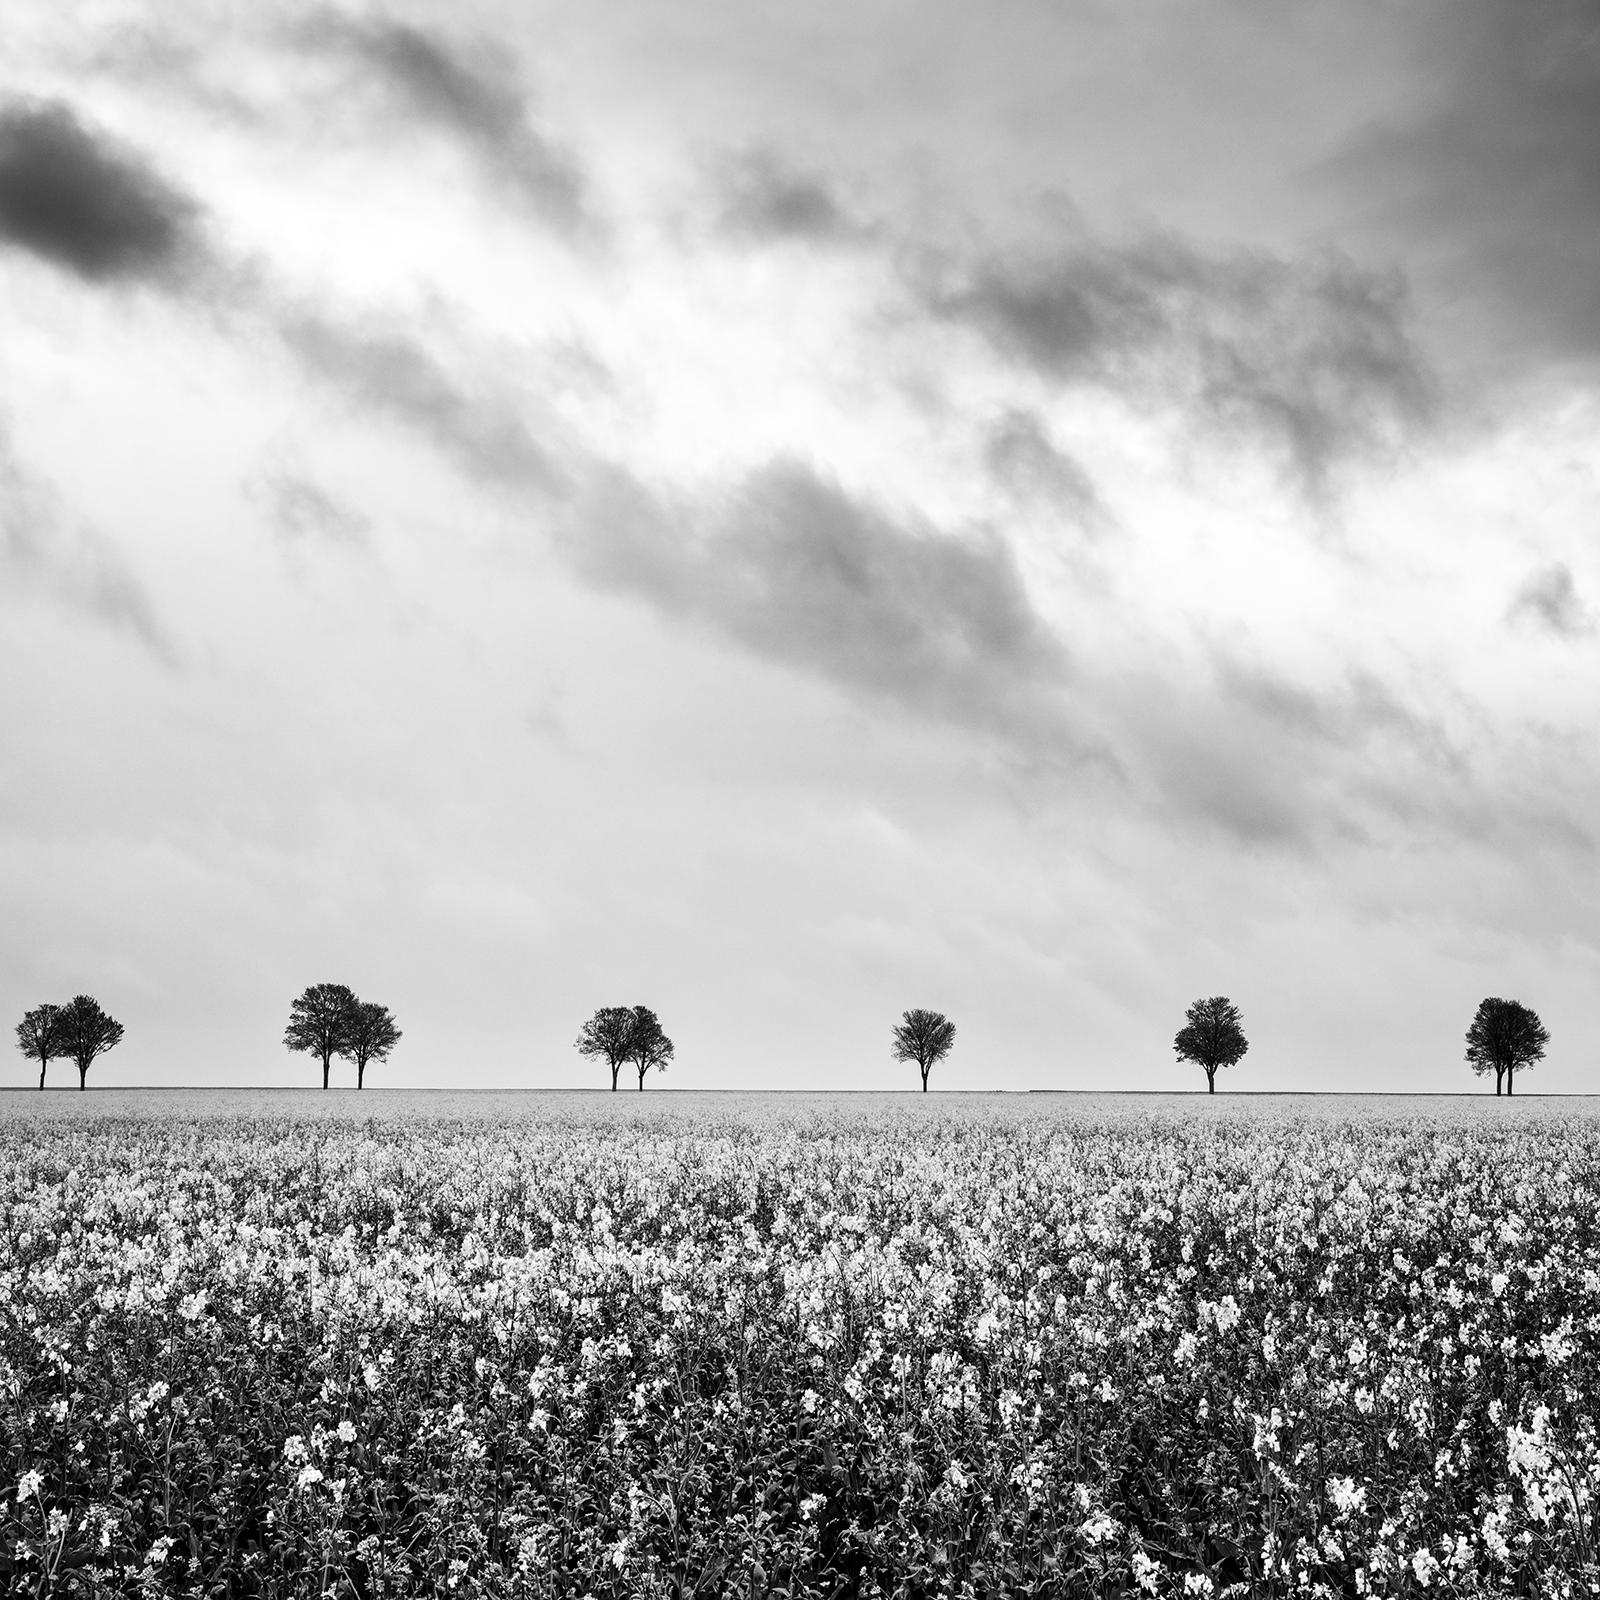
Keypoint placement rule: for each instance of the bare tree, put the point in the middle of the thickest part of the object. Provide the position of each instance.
(1212, 1037)
(370, 1034)
(924, 1037)
(319, 1023)
(608, 1036)
(86, 1032)
(1505, 1035)
(648, 1046)
(39, 1036)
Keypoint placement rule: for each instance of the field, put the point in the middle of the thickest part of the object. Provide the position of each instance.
(666, 1345)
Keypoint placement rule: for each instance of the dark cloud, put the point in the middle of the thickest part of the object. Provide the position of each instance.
(764, 199)
(478, 426)
(1489, 184)
(795, 569)
(1549, 600)
(79, 566)
(473, 95)
(81, 201)
(1313, 357)
(1028, 464)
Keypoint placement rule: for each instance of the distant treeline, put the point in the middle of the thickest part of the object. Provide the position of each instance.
(329, 1021)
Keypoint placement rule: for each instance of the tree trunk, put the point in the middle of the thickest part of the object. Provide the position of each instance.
(1499, 1079)
(1511, 1080)
(42, 1066)
(361, 1073)
(925, 1080)
(642, 1071)
(1211, 1080)
(83, 1074)
(327, 1061)
(615, 1068)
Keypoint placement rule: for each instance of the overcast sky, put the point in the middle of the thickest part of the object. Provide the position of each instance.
(784, 514)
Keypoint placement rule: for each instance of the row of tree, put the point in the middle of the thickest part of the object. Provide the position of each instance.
(1505, 1038)
(78, 1031)
(328, 1020)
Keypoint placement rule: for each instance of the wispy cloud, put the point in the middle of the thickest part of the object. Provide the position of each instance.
(1028, 464)
(1312, 357)
(1549, 600)
(764, 198)
(791, 566)
(386, 372)
(469, 91)
(75, 563)
(79, 199)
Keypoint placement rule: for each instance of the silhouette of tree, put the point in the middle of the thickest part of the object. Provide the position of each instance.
(648, 1046)
(924, 1037)
(39, 1036)
(86, 1032)
(319, 1023)
(608, 1035)
(370, 1034)
(1505, 1035)
(1212, 1037)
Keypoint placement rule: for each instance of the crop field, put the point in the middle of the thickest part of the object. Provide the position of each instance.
(765, 1346)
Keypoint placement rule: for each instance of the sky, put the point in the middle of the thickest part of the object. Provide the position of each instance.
(787, 514)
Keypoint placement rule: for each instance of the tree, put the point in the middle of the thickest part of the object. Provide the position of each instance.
(924, 1037)
(1211, 1036)
(1505, 1035)
(648, 1046)
(608, 1034)
(86, 1032)
(370, 1034)
(39, 1036)
(319, 1023)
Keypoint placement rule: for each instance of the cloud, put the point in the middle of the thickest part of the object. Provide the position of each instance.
(1028, 464)
(1311, 357)
(303, 511)
(81, 201)
(79, 566)
(380, 371)
(1549, 600)
(764, 199)
(794, 568)
(474, 96)
(1490, 181)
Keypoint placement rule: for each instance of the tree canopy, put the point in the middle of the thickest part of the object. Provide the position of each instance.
(925, 1037)
(1505, 1035)
(1212, 1037)
(86, 1032)
(39, 1037)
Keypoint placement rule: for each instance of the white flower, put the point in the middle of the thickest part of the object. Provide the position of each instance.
(1424, 1565)
(28, 1486)
(294, 1448)
(308, 1476)
(347, 1431)
(809, 1400)
(955, 1476)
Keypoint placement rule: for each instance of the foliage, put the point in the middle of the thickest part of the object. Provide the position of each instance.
(1505, 1036)
(86, 1032)
(1212, 1037)
(319, 1023)
(900, 1356)
(39, 1036)
(924, 1037)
